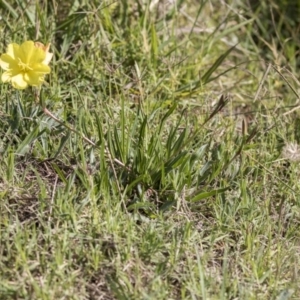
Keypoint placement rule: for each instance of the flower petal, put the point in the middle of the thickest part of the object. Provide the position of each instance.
(39, 56)
(48, 58)
(27, 51)
(45, 48)
(33, 78)
(6, 76)
(7, 62)
(25, 64)
(18, 82)
(13, 50)
(41, 68)
(31, 54)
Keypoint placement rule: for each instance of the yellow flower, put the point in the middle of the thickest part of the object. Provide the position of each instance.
(25, 64)
(45, 48)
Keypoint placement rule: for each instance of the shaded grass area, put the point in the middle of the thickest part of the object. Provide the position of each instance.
(186, 193)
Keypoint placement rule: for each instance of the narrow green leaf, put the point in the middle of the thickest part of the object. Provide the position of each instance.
(180, 141)
(171, 164)
(154, 44)
(9, 8)
(166, 116)
(205, 78)
(25, 145)
(204, 195)
(59, 172)
(63, 141)
(71, 20)
(29, 9)
(232, 29)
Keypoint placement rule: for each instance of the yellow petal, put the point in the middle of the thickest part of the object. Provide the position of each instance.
(34, 79)
(39, 56)
(13, 50)
(18, 82)
(27, 51)
(48, 58)
(45, 48)
(31, 54)
(41, 68)
(6, 76)
(7, 62)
